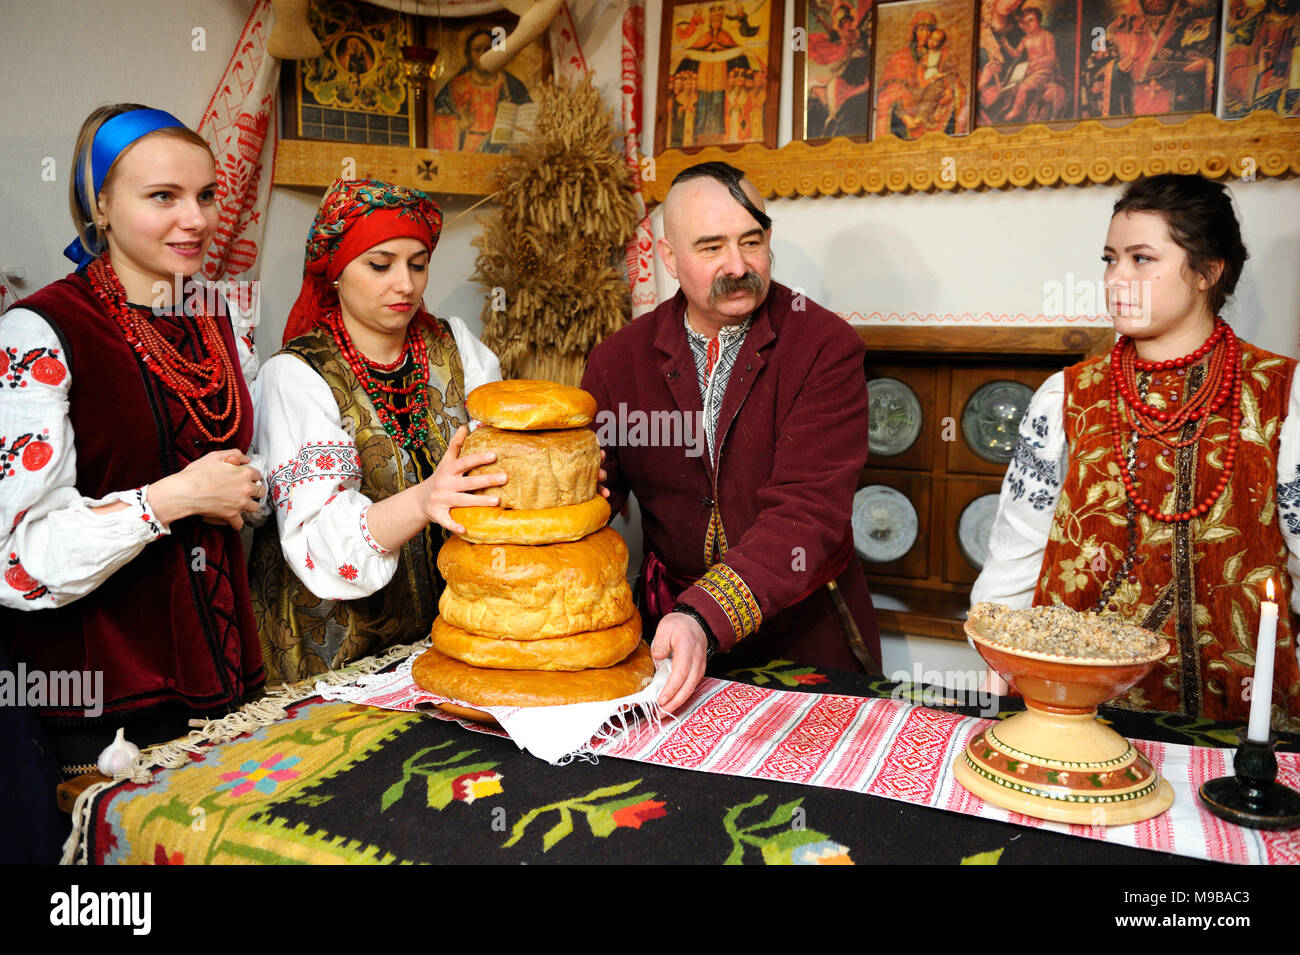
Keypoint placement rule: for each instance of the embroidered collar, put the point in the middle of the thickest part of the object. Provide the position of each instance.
(726, 333)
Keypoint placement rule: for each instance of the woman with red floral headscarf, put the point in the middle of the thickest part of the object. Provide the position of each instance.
(361, 417)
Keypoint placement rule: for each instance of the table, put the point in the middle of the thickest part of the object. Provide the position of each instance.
(340, 783)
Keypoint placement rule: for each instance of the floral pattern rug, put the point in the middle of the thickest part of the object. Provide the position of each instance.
(342, 783)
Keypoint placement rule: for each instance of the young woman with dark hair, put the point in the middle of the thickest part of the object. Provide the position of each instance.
(1161, 482)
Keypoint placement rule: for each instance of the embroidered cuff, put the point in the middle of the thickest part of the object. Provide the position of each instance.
(138, 500)
(365, 533)
(733, 596)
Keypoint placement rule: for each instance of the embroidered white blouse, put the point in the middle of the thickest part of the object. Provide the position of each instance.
(1027, 504)
(53, 546)
(315, 473)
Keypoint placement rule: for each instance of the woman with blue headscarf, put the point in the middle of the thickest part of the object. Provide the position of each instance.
(125, 417)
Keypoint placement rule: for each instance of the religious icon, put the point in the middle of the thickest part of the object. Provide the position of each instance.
(354, 91)
(1261, 58)
(479, 109)
(833, 69)
(1149, 57)
(718, 77)
(924, 65)
(1028, 57)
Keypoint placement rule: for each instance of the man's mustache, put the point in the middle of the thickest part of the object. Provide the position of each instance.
(725, 285)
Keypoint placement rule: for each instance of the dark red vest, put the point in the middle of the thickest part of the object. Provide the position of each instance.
(175, 624)
(1197, 582)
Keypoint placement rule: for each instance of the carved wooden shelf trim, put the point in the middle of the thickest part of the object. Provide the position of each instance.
(1260, 145)
(304, 162)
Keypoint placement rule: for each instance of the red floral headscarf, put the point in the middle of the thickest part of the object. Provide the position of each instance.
(354, 216)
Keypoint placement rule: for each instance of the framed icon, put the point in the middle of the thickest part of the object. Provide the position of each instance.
(719, 73)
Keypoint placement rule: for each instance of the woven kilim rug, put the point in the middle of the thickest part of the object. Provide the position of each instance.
(338, 782)
(889, 748)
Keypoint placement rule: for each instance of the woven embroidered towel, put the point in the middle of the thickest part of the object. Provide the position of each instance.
(553, 733)
(891, 749)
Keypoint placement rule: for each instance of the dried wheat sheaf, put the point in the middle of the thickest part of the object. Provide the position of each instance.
(555, 247)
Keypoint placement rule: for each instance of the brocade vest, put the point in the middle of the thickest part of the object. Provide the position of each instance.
(303, 634)
(175, 624)
(1199, 582)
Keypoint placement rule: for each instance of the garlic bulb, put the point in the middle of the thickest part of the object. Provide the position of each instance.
(118, 755)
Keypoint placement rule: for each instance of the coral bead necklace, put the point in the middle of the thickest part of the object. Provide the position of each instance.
(190, 381)
(1221, 386)
(382, 394)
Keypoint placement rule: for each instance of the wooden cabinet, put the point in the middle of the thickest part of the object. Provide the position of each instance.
(941, 473)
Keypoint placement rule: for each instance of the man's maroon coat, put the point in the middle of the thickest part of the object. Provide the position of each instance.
(792, 439)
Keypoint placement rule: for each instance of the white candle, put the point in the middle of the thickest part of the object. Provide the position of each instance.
(1261, 688)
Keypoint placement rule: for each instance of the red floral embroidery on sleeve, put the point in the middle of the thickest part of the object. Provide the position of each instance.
(42, 363)
(319, 461)
(34, 450)
(49, 370)
(348, 572)
(310, 565)
(154, 526)
(38, 452)
(365, 533)
(20, 580)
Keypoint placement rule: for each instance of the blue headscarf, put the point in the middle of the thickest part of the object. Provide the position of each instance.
(112, 139)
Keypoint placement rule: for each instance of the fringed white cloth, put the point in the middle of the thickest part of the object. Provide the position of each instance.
(556, 734)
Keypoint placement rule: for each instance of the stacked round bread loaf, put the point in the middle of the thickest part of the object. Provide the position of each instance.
(536, 609)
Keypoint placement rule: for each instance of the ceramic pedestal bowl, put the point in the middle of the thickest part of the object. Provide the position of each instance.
(1056, 760)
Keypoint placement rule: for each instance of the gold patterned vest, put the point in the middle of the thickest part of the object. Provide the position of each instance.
(1199, 582)
(301, 634)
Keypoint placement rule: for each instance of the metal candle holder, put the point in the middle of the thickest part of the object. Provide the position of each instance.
(1253, 797)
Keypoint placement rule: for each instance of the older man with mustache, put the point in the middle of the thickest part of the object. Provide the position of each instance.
(748, 547)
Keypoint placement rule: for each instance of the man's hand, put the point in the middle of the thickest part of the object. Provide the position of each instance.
(602, 477)
(679, 636)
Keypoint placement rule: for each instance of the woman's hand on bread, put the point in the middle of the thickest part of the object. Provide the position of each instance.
(218, 487)
(395, 520)
(680, 637)
(450, 486)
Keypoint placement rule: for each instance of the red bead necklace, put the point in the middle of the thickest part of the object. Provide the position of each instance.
(190, 381)
(1221, 385)
(381, 393)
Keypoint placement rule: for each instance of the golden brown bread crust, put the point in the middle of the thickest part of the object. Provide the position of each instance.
(439, 673)
(594, 649)
(546, 525)
(544, 468)
(532, 593)
(527, 405)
